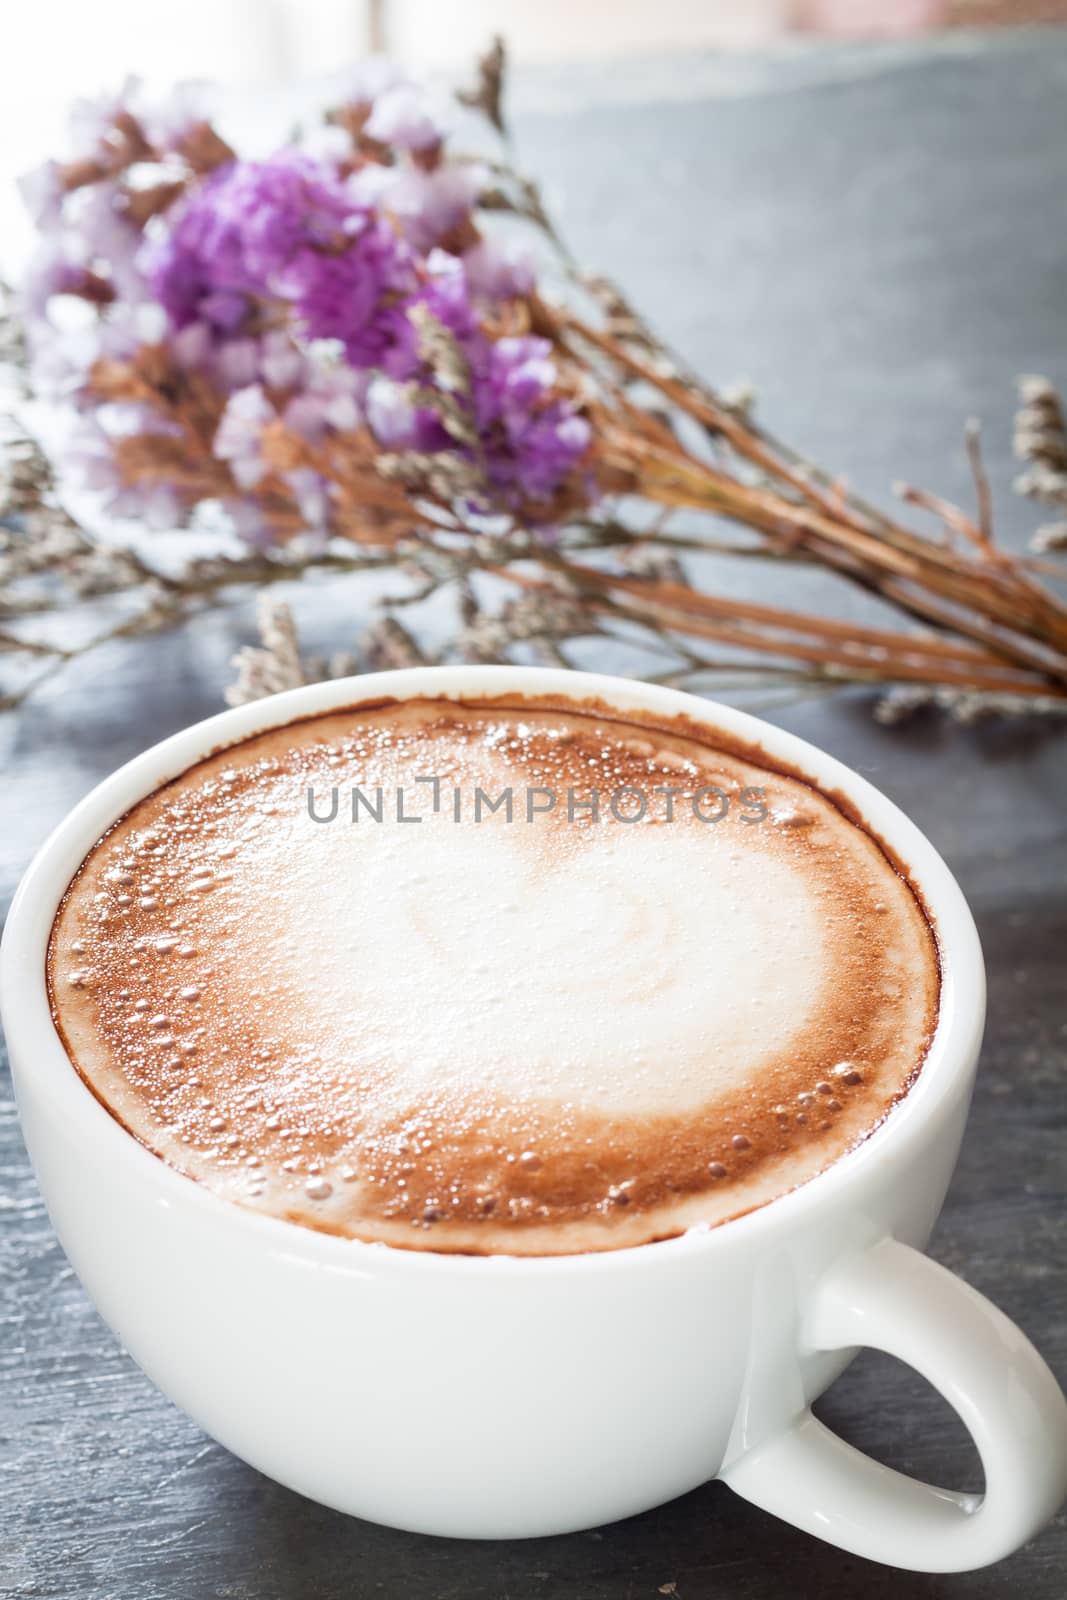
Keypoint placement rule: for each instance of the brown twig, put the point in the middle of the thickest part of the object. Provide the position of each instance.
(859, 664)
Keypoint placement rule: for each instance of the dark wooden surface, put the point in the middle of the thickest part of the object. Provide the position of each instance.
(880, 244)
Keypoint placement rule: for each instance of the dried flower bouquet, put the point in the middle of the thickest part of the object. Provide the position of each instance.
(334, 354)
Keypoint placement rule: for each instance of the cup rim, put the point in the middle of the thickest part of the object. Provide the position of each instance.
(33, 1038)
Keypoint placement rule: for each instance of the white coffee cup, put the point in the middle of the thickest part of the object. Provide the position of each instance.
(504, 1397)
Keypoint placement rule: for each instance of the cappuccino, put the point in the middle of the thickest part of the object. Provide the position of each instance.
(522, 976)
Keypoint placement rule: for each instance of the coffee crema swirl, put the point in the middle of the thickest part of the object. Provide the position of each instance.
(315, 974)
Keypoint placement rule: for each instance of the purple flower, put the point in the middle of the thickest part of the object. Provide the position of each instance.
(236, 363)
(357, 296)
(89, 457)
(498, 272)
(53, 270)
(249, 521)
(109, 242)
(312, 494)
(402, 116)
(398, 424)
(92, 240)
(431, 205)
(331, 398)
(281, 364)
(391, 416)
(204, 267)
(238, 437)
(193, 346)
(531, 436)
(327, 144)
(274, 359)
(129, 326)
(285, 230)
(370, 186)
(426, 206)
(158, 505)
(169, 121)
(59, 362)
(312, 297)
(446, 294)
(91, 121)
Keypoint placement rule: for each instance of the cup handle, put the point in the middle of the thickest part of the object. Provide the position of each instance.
(895, 1299)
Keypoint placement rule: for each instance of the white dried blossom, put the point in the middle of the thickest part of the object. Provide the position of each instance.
(275, 664)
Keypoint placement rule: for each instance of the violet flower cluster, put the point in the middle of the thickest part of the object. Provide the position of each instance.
(340, 291)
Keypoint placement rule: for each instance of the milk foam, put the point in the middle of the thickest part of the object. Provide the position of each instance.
(497, 1035)
(625, 969)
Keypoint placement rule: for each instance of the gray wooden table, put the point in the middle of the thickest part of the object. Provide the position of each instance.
(879, 241)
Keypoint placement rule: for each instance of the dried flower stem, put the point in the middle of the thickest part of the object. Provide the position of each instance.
(990, 597)
(863, 656)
